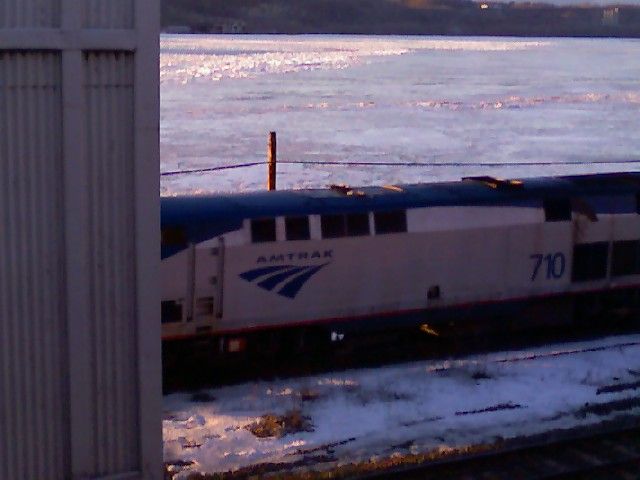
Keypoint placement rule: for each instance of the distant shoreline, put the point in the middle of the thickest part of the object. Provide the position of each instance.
(365, 34)
(400, 17)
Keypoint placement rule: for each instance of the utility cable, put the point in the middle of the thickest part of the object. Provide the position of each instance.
(399, 164)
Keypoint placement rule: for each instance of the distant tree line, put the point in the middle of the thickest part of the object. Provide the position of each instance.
(427, 17)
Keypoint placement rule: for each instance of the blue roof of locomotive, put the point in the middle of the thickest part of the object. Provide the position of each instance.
(204, 217)
(235, 207)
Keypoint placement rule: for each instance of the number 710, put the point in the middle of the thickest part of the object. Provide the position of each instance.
(555, 264)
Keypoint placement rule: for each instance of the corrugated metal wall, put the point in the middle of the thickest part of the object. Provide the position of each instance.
(46, 13)
(109, 14)
(29, 13)
(32, 324)
(109, 121)
(79, 214)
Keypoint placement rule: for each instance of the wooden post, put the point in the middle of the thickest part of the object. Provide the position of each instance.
(271, 156)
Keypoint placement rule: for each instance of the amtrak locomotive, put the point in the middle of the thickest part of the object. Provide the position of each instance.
(467, 254)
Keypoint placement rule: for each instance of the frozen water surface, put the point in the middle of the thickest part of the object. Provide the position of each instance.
(394, 99)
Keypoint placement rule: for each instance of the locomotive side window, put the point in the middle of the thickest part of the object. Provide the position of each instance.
(173, 237)
(637, 202)
(357, 224)
(625, 258)
(171, 311)
(394, 221)
(297, 228)
(263, 230)
(589, 261)
(332, 226)
(557, 209)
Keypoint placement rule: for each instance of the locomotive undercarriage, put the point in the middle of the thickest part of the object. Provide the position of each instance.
(219, 359)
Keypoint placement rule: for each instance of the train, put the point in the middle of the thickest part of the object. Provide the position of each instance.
(315, 265)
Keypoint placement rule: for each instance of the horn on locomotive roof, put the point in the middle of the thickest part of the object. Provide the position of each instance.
(346, 190)
(496, 183)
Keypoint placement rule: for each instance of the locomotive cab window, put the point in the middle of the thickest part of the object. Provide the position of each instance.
(263, 230)
(173, 237)
(332, 226)
(297, 228)
(638, 203)
(394, 221)
(357, 224)
(625, 258)
(557, 209)
(349, 225)
(589, 261)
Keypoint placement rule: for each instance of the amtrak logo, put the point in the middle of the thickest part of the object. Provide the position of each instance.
(289, 279)
(291, 256)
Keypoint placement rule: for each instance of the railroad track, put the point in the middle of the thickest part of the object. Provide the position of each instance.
(612, 452)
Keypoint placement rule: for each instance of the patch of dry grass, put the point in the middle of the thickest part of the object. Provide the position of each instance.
(271, 425)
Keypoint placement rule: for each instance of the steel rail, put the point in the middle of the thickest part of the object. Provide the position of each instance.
(611, 451)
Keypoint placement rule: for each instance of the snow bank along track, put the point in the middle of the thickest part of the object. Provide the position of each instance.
(345, 424)
(611, 452)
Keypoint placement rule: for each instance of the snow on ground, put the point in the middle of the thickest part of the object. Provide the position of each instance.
(409, 408)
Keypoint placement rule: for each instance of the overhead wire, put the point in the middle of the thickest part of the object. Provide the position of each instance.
(399, 164)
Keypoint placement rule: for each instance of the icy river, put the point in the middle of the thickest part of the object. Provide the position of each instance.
(454, 105)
